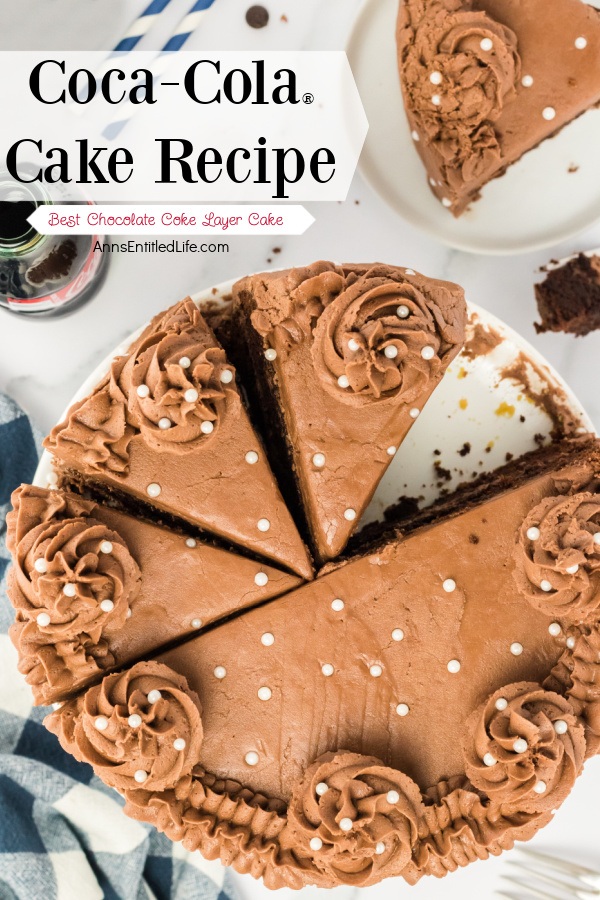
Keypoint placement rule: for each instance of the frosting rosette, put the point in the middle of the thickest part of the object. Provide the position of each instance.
(524, 748)
(381, 338)
(558, 557)
(73, 576)
(355, 818)
(138, 729)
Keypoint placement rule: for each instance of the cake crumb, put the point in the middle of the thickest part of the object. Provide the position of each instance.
(465, 449)
(573, 168)
(442, 472)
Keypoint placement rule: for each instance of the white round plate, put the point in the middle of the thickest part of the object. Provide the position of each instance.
(537, 203)
(474, 405)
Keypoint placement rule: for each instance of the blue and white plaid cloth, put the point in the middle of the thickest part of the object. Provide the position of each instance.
(63, 835)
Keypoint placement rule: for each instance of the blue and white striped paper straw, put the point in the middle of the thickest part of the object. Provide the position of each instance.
(141, 26)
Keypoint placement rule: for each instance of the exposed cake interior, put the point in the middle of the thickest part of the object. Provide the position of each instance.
(568, 298)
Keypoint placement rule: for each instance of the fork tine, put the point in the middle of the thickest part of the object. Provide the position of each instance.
(569, 887)
(560, 864)
(530, 889)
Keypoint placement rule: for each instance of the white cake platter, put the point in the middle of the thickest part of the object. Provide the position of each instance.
(551, 194)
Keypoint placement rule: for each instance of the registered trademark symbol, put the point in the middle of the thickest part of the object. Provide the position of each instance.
(308, 98)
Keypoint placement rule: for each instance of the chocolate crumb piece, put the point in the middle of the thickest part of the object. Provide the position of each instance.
(521, 418)
(276, 250)
(473, 539)
(357, 202)
(55, 266)
(437, 452)
(441, 472)
(257, 16)
(509, 456)
(572, 168)
(465, 449)
(269, 260)
(284, 18)
(568, 298)
(539, 439)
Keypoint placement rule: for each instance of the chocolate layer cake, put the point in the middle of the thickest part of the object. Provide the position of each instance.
(568, 298)
(485, 81)
(95, 588)
(412, 710)
(341, 360)
(168, 426)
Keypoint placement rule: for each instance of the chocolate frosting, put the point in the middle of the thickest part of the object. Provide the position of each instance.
(558, 557)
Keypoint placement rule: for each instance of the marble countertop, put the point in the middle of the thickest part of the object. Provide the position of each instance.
(42, 362)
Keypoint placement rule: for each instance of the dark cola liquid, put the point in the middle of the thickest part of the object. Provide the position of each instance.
(13, 220)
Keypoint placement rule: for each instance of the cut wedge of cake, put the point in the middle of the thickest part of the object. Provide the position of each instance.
(168, 426)
(485, 81)
(341, 360)
(95, 588)
(568, 298)
(412, 710)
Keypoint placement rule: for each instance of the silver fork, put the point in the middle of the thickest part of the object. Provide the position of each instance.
(572, 881)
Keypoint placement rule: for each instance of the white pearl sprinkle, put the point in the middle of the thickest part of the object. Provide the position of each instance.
(486, 44)
(164, 424)
(403, 312)
(41, 566)
(318, 460)
(580, 43)
(403, 709)
(179, 744)
(353, 345)
(346, 824)
(571, 643)
(154, 696)
(251, 457)
(375, 670)
(69, 590)
(414, 413)
(545, 585)
(134, 721)
(392, 797)
(397, 634)
(540, 787)
(337, 605)
(191, 395)
(251, 758)
(190, 542)
(597, 537)
(527, 80)
(350, 514)
(391, 451)
(185, 362)
(501, 704)
(264, 693)
(107, 606)
(327, 669)
(153, 490)
(560, 726)
(520, 745)
(454, 666)
(263, 524)
(267, 639)
(516, 649)
(140, 776)
(128, 614)
(555, 629)
(271, 354)
(321, 788)
(415, 136)
(315, 843)
(143, 391)
(226, 376)
(196, 623)
(220, 672)
(43, 620)
(533, 533)
(391, 351)
(446, 202)
(207, 428)
(106, 547)
(489, 760)
(435, 78)
(549, 113)
(261, 579)
(427, 352)
(101, 723)
(436, 99)
(572, 570)
(379, 848)
(449, 585)
(343, 381)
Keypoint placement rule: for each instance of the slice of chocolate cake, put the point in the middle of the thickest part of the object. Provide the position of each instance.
(568, 298)
(410, 711)
(168, 426)
(342, 359)
(485, 81)
(95, 588)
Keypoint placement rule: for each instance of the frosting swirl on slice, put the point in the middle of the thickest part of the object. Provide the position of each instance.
(138, 729)
(524, 747)
(558, 557)
(355, 818)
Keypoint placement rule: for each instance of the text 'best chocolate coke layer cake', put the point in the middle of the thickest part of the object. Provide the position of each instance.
(426, 700)
(485, 81)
